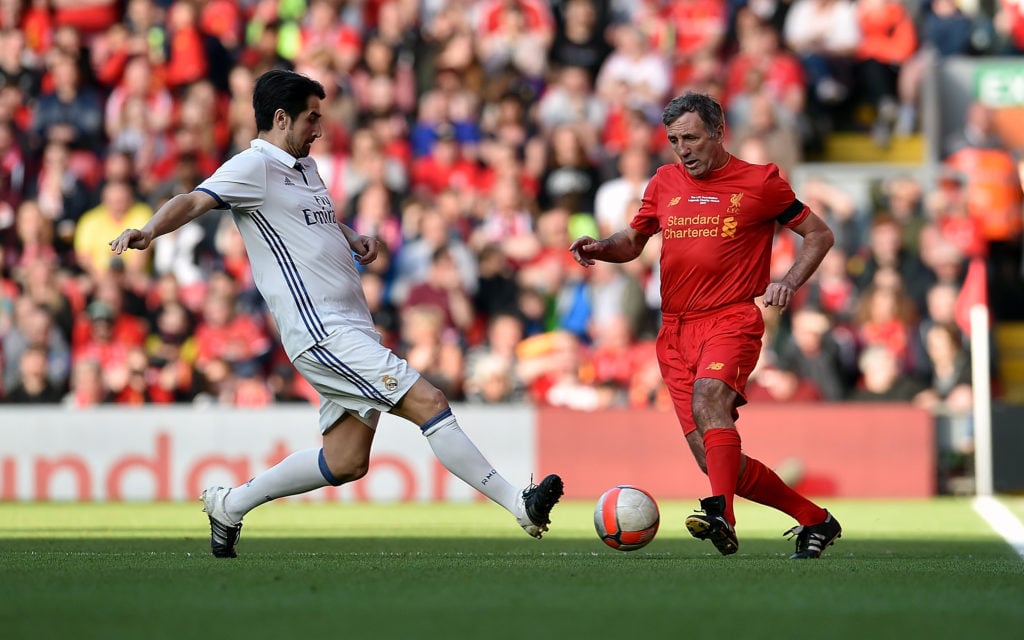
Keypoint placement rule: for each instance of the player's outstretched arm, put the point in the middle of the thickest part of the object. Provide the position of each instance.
(177, 211)
(818, 239)
(621, 246)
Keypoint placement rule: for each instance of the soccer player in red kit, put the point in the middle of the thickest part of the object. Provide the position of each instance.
(717, 215)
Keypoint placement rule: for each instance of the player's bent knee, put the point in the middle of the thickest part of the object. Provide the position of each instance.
(349, 473)
(422, 402)
(345, 468)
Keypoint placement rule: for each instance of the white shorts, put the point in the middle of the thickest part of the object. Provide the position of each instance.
(354, 373)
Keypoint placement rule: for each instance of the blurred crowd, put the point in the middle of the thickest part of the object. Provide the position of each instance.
(477, 139)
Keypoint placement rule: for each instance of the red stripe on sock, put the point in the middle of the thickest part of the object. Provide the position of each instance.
(722, 450)
(762, 485)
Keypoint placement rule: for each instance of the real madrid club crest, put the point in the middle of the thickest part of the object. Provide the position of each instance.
(390, 383)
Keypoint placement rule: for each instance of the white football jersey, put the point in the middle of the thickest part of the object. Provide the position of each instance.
(301, 262)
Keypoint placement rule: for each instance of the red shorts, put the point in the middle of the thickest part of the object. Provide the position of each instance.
(723, 344)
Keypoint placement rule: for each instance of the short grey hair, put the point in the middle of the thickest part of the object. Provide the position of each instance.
(706, 107)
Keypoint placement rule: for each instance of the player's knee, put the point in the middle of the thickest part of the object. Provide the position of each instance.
(348, 469)
(712, 403)
(352, 472)
(423, 401)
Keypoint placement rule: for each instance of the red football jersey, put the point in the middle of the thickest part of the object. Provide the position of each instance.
(717, 232)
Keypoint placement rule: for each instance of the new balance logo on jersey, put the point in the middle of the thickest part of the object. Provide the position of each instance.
(674, 201)
(716, 366)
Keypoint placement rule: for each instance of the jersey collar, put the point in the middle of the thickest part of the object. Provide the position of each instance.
(274, 151)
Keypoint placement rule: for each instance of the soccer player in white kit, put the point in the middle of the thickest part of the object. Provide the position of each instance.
(302, 263)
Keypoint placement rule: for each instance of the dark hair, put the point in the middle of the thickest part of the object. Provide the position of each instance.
(280, 89)
(706, 107)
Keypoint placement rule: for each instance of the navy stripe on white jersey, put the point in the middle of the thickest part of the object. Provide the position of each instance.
(291, 276)
(301, 260)
(331, 361)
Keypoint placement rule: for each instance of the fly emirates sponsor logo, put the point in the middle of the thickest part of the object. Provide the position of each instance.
(703, 226)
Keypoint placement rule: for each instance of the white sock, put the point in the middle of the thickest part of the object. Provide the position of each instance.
(460, 456)
(298, 473)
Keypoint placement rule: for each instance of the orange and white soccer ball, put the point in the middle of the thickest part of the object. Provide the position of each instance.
(626, 518)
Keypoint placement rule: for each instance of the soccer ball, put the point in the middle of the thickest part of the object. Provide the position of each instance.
(626, 518)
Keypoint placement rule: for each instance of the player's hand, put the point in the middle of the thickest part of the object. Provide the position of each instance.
(778, 295)
(365, 248)
(585, 250)
(130, 239)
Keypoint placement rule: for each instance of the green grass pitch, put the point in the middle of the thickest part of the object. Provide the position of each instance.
(903, 569)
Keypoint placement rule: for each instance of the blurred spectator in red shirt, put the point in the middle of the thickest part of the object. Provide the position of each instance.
(993, 184)
(109, 307)
(947, 206)
(550, 364)
(762, 64)
(322, 30)
(87, 16)
(35, 237)
(1009, 24)
(186, 59)
(514, 39)
(888, 40)
(443, 288)
(614, 357)
(536, 17)
(444, 167)
(139, 82)
(101, 344)
(886, 317)
(224, 334)
(699, 28)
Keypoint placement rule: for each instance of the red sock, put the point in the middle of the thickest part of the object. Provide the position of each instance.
(764, 486)
(722, 450)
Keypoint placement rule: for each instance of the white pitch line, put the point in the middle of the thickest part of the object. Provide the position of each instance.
(1002, 520)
